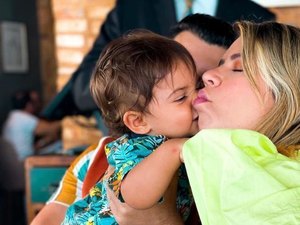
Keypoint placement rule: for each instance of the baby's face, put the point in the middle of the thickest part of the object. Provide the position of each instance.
(171, 112)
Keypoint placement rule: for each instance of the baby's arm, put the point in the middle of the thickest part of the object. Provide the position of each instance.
(146, 183)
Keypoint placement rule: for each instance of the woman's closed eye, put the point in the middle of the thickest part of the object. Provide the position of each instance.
(237, 70)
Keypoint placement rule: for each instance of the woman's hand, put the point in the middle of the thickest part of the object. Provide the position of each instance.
(178, 143)
(162, 213)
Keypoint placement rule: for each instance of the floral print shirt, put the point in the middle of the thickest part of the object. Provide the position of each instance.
(123, 155)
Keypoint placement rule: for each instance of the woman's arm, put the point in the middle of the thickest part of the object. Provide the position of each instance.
(51, 214)
(146, 183)
(163, 213)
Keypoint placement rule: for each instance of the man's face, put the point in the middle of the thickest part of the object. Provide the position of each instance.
(35, 102)
(206, 56)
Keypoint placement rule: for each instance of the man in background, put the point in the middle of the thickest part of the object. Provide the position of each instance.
(25, 131)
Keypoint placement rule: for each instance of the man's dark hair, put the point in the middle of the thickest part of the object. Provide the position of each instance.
(20, 99)
(210, 29)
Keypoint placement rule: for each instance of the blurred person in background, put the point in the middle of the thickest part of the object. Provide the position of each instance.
(25, 131)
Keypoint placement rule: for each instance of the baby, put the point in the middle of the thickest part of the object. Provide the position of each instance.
(144, 85)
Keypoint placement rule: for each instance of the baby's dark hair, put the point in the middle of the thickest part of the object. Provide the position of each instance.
(127, 71)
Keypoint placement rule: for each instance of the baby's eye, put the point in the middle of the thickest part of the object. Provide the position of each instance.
(180, 99)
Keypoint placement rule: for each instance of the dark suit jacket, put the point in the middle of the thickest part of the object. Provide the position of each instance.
(156, 15)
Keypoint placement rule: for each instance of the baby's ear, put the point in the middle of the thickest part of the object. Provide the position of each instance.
(136, 123)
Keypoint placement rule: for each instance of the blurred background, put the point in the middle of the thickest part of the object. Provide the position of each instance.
(52, 37)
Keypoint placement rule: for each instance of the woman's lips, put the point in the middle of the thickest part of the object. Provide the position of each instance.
(201, 98)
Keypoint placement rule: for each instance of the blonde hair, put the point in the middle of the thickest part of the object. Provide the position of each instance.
(272, 50)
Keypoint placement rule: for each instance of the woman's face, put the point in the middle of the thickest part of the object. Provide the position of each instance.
(228, 100)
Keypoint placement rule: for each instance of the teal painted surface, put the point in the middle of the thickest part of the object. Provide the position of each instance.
(44, 181)
(6, 8)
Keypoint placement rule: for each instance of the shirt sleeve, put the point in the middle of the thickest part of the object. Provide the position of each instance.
(125, 154)
(70, 187)
(238, 177)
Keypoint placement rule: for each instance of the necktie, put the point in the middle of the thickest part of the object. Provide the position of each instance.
(189, 7)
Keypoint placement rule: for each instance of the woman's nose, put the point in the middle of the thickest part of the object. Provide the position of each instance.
(211, 78)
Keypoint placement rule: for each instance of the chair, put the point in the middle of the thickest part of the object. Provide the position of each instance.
(43, 174)
(12, 169)
(12, 185)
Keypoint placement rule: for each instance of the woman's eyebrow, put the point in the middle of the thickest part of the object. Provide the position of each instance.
(234, 56)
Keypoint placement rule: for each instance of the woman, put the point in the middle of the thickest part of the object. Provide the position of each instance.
(241, 176)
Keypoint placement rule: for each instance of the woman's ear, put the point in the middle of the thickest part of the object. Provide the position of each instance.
(136, 123)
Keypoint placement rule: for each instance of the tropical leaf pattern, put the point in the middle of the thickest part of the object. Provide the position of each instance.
(123, 154)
